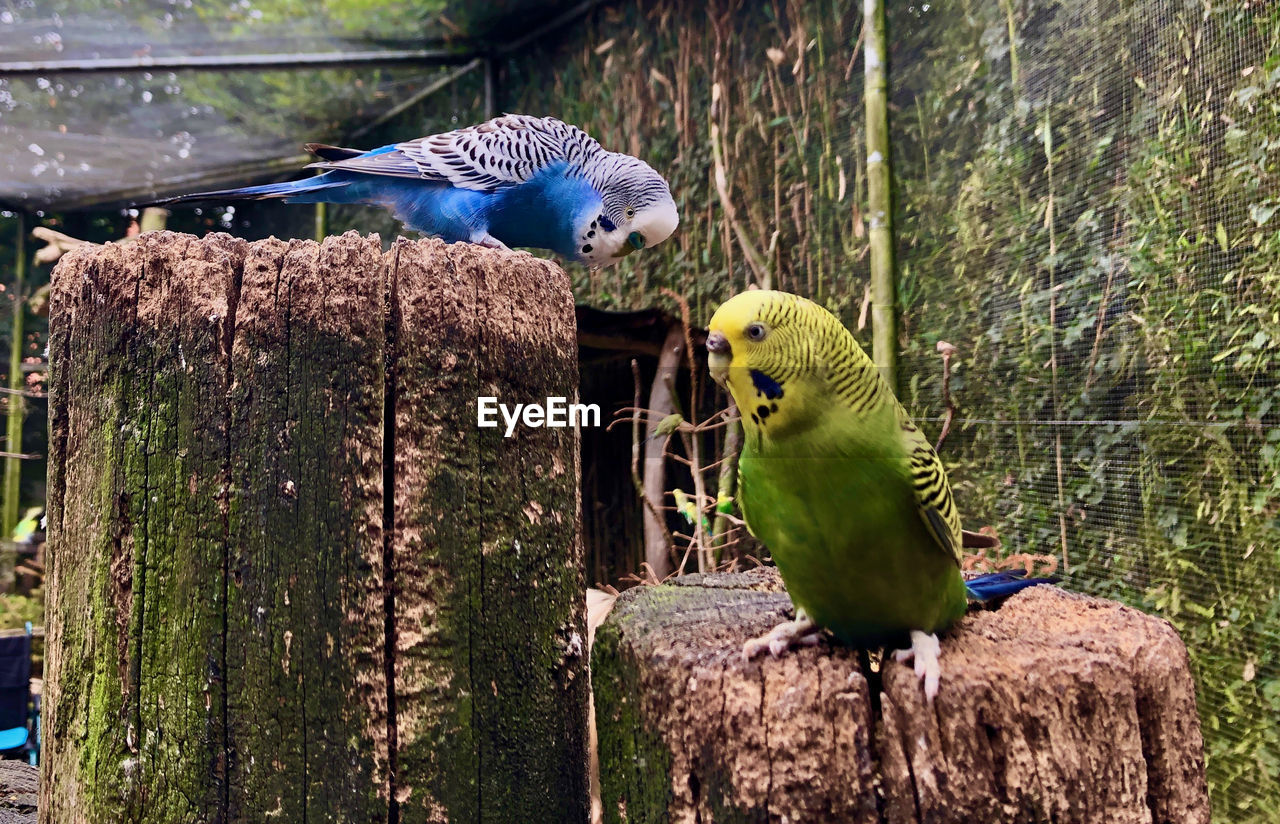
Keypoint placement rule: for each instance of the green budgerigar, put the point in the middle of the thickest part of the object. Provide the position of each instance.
(840, 485)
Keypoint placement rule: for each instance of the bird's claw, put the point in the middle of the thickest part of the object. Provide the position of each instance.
(782, 637)
(488, 241)
(754, 647)
(923, 654)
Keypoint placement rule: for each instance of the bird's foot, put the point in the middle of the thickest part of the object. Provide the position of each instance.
(784, 636)
(489, 241)
(924, 652)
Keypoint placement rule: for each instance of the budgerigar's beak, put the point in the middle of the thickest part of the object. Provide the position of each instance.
(635, 241)
(719, 355)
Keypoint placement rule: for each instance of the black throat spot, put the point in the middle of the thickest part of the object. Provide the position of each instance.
(766, 385)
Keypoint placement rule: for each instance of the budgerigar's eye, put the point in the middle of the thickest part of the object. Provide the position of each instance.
(630, 213)
(756, 331)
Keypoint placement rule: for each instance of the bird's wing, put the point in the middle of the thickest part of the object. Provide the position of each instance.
(932, 490)
(504, 151)
(743, 497)
(326, 152)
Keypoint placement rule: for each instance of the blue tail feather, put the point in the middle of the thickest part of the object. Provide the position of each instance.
(293, 190)
(995, 585)
(429, 207)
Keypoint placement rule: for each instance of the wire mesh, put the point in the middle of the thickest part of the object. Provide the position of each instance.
(71, 139)
(1096, 235)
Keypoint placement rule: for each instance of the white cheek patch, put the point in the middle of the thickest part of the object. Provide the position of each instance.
(589, 242)
(595, 245)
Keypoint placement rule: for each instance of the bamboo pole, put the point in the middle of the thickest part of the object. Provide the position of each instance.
(879, 195)
(153, 219)
(490, 89)
(17, 402)
(1012, 25)
(1050, 222)
(321, 222)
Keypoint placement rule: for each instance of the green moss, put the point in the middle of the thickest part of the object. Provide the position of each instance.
(634, 761)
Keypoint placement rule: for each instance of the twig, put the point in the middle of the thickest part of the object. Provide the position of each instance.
(692, 439)
(691, 446)
(946, 350)
(1099, 325)
(727, 486)
(628, 414)
(759, 267)
(26, 393)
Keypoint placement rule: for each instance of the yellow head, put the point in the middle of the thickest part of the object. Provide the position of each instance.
(776, 354)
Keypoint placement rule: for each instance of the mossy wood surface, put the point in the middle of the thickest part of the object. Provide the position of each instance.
(1056, 707)
(289, 577)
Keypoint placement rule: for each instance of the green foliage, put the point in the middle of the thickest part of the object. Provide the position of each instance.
(17, 610)
(1095, 231)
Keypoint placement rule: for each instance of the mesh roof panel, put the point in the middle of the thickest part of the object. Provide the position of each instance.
(104, 104)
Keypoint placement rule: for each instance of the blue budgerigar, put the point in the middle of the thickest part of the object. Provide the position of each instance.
(515, 180)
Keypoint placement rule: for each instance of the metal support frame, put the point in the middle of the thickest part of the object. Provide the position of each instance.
(237, 62)
(17, 402)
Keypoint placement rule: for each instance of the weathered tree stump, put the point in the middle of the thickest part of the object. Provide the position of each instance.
(19, 782)
(1056, 707)
(290, 579)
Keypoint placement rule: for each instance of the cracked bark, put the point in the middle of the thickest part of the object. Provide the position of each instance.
(282, 555)
(493, 637)
(1056, 707)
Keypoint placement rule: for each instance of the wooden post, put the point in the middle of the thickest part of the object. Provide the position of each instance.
(19, 783)
(290, 579)
(1056, 707)
(492, 521)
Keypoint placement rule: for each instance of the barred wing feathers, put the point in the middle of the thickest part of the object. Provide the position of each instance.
(505, 151)
(933, 491)
(858, 384)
